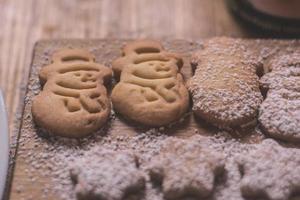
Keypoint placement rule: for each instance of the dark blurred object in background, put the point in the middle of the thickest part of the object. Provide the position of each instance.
(276, 18)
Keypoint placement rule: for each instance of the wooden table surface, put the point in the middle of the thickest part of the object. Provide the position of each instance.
(24, 22)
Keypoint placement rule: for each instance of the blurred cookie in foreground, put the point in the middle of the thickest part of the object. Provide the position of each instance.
(270, 171)
(225, 87)
(186, 168)
(111, 175)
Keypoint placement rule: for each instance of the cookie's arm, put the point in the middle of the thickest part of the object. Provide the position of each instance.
(44, 74)
(107, 73)
(177, 57)
(119, 64)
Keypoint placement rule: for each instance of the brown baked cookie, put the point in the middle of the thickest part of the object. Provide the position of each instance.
(279, 114)
(225, 87)
(270, 171)
(117, 176)
(186, 168)
(73, 102)
(151, 90)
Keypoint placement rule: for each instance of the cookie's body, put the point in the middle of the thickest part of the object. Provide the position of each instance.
(225, 87)
(74, 101)
(151, 90)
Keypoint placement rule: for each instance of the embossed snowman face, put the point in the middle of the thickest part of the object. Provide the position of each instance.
(85, 76)
(153, 69)
(81, 79)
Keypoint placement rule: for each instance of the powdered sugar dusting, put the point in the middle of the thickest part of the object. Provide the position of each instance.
(225, 87)
(280, 112)
(270, 171)
(195, 177)
(56, 156)
(111, 175)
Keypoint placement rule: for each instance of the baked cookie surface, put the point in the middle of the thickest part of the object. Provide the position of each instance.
(279, 114)
(151, 89)
(73, 102)
(225, 87)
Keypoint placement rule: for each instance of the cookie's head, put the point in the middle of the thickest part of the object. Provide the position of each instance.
(75, 66)
(141, 51)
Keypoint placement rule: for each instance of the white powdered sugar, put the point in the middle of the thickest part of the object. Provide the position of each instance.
(280, 112)
(90, 167)
(225, 87)
(114, 159)
(186, 168)
(270, 171)
(111, 175)
(278, 122)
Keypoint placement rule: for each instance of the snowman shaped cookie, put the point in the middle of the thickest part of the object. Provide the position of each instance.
(151, 90)
(74, 101)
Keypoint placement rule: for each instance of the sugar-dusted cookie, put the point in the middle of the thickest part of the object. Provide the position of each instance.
(279, 114)
(73, 102)
(111, 176)
(186, 168)
(151, 90)
(270, 172)
(225, 87)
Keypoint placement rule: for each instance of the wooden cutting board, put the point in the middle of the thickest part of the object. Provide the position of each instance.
(30, 184)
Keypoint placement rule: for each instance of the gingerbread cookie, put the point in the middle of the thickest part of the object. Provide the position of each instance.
(73, 102)
(279, 114)
(112, 176)
(225, 87)
(186, 168)
(270, 172)
(151, 90)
